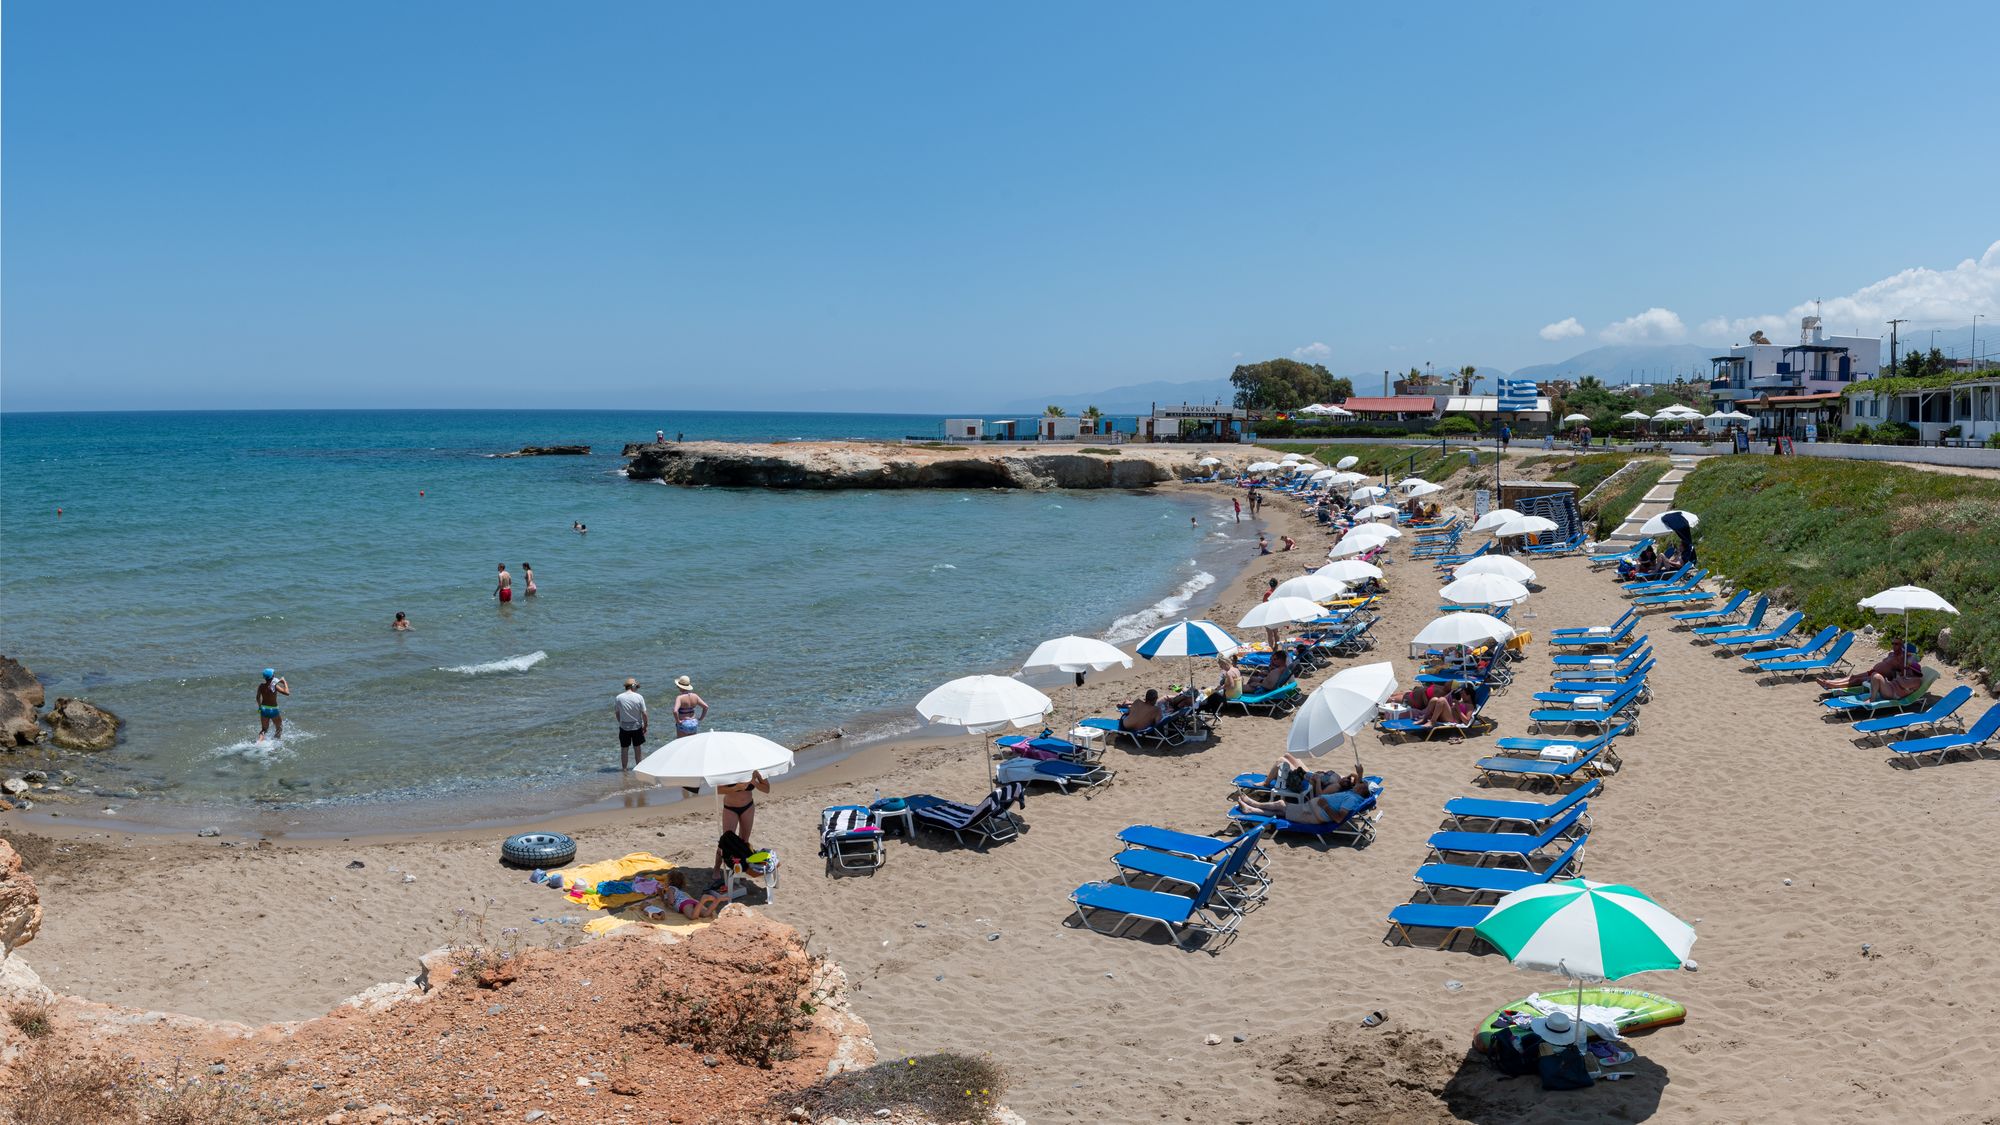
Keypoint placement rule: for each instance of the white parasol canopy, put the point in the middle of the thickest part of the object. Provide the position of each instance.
(1261, 466)
(1372, 492)
(1077, 654)
(1463, 629)
(1636, 416)
(1206, 461)
(1525, 525)
(716, 757)
(1495, 518)
(1347, 462)
(1423, 488)
(1340, 707)
(1376, 512)
(1658, 524)
(984, 703)
(1506, 566)
(1281, 611)
(1484, 589)
(1319, 586)
(1350, 570)
(1576, 417)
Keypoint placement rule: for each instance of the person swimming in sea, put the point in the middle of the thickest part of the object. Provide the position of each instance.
(402, 622)
(269, 719)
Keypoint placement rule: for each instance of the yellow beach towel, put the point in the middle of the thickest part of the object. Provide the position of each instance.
(590, 874)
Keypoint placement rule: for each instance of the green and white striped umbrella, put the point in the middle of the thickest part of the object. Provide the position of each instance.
(1599, 931)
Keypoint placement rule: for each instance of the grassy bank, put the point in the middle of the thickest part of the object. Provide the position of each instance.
(1610, 509)
(1825, 534)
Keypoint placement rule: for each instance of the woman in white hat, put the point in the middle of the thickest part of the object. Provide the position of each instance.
(689, 709)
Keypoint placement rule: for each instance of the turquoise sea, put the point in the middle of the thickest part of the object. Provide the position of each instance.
(194, 549)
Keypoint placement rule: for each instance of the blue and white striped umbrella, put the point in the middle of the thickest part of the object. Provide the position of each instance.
(1187, 638)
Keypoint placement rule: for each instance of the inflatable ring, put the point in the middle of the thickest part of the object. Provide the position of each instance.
(538, 849)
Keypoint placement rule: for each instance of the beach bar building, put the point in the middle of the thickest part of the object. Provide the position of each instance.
(1813, 417)
(964, 429)
(1966, 411)
(1815, 365)
(1192, 421)
(1392, 408)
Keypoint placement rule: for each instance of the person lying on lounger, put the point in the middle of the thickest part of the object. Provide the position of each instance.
(1273, 676)
(1142, 713)
(1291, 775)
(1893, 677)
(1648, 560)
(1453, 707)
(1332, 809)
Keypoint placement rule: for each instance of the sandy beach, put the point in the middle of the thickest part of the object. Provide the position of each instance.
(1738, 808)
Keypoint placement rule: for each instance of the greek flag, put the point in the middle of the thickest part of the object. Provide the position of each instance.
(1516, 394)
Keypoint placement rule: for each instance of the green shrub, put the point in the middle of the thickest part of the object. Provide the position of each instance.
(1834, 532)
(1895, 433)
(1455, 425)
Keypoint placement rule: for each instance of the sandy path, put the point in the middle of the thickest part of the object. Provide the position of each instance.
(1729, 789)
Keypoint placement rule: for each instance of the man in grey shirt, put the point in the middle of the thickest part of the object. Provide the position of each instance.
(630, 710)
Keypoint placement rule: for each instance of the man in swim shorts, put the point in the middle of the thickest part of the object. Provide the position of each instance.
(629, 708)
(505, 590)
(269, 719)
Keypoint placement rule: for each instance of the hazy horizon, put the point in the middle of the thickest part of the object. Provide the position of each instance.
(376, 206)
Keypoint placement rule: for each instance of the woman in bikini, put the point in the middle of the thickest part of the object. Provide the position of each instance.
(739, 804)
(528, 573)
(689, 709)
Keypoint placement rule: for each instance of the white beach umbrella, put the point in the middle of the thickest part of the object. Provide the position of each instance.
(1261, 466)
(1658, 524)
(1207, 461)
(1372, 492)
(1525, 525)
(1484, 589)
(1305, 462)
(1340, 707)
(1341, 478)
(1576, 417)
(1350, 571)
(1324, 475)
(1506, 566)
(1312, 408)
(1374, 530)
(984, 704)
(1077, 654)
(1463, 629)
(1636, 416)
(1905, 600)
(1319, 586)
(1410, 482)
(1288, 459)
(1495, 518)
(1281, 611)
(1733, 416)
(1347, 462)
(1350, 546)
(1338, 412)
(1376, 512)
(1423, 488)
(716, 757)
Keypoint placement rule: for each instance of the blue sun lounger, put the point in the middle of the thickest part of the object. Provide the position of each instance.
(1767, 637)
(1275, 702)
(1560, 547)
(1063, 775)
(1231, 888)
(1046, 742)
(1464, 726)
(1475, 881)
(1359, 825)
(1936, 715)
(1531, 814)
(990, 821)
(1831, 659)
(1617, 636)
(1685, 585)
(1749, 624)
(1599, 718)
(1797, 652)
(1678, 597)
(1578, 660)
(1602, 673)
(1176, 843)
(1653, 585)
(1729, 610)
(1454, 920)
(1182, 916)
(1520, 846)
(1624, 622)
(1943, 745)
(1531, 747)
(1534, 772)
(1590, 693)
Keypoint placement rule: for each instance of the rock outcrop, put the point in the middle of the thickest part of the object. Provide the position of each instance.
(836, 465)
(20, 704)
(76, 724)
(550, 451)
(20, 905)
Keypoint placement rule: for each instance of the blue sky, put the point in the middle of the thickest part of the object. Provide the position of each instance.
(934, 206)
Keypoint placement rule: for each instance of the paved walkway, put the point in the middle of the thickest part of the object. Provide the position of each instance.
(1658, 500)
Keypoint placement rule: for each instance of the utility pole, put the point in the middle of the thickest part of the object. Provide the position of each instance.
(1892, 342)
(1976, 365)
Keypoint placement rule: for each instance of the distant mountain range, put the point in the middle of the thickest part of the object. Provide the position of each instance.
(1648, 363)
(1134, 398)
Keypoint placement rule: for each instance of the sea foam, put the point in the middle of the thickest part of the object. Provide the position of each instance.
(511, 664)
(1132, 626)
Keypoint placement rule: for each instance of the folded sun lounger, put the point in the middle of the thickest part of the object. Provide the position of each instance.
(850, 838)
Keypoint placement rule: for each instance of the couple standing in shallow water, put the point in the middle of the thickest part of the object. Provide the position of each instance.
(503, 589)
(629, 708)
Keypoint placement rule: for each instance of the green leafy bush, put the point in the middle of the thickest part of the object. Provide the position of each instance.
(1455, 425)
(1829, 533)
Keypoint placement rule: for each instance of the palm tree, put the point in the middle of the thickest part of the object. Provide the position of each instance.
(1092, 417)
(1466, 375)
(1054, 411)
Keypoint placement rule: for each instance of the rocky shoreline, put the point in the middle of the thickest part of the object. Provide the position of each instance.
(845, 465)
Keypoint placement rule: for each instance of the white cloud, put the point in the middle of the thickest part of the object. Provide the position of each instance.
(1562, 329)
(1739, 329)
(1926, 296)
(1652, 326)
(1314, 352)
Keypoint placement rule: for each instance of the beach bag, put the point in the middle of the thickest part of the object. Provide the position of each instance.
(733, 849)
(1515, 1055)
(1295, 780)
(1565, 1070)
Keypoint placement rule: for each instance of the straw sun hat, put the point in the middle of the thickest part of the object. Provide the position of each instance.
(1557, 1028)
(684, 684)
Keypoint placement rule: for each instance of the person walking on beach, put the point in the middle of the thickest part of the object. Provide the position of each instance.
(528, 576)
(660, 436)
(629, 708)
(504, 590)
(689, 709)
(1506, 435)
(269, 719)
(1238, 503)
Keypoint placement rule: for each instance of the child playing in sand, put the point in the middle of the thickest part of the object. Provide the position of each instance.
(688, 905)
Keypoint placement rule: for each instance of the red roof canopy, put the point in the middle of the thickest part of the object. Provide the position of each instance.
(1394, 404)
